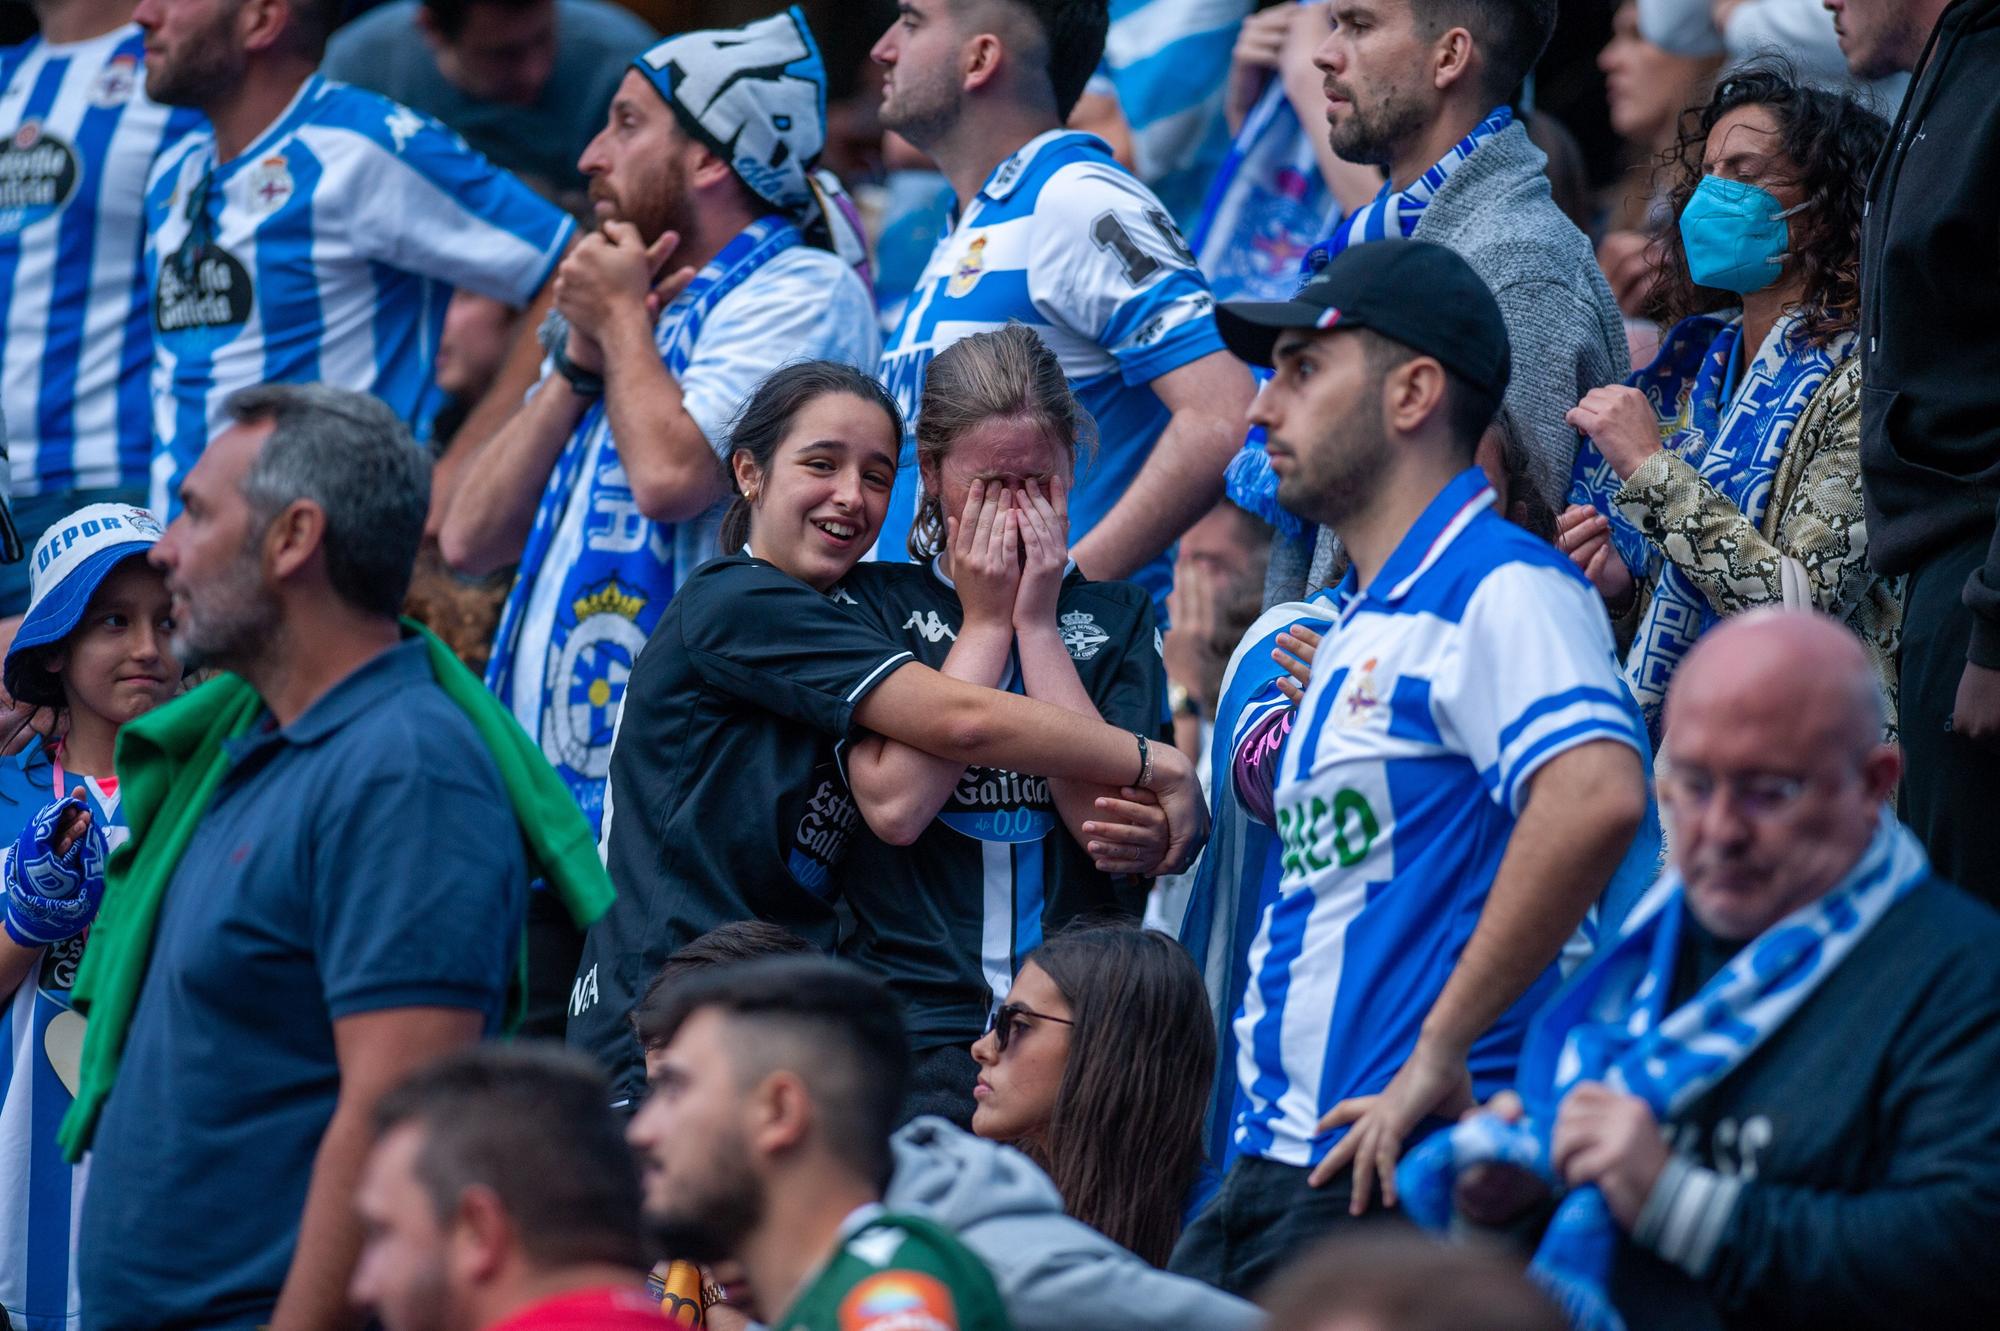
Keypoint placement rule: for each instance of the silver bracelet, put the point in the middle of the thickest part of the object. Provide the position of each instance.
(1145, 761)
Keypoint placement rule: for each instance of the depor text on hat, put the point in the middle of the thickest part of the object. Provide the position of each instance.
(756, 95)
(69, 563)
(1413, 292)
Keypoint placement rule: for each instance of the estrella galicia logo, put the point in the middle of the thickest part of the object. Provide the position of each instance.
(203, 298)
(38, 175)
(821, 834)
(990, 804)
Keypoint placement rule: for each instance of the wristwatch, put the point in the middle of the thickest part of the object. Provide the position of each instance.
(581, 381)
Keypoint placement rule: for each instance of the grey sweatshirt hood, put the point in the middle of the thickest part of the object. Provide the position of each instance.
(1053, 1271)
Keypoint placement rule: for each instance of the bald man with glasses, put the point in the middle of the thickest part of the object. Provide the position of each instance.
(1771, 1096)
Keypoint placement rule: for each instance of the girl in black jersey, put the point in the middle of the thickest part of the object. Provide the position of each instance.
(970, 865)
(724, 801)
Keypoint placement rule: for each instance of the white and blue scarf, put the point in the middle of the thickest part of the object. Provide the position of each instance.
(611, 596)
(1610, 1024)
(1249, 482)
(1735, 444)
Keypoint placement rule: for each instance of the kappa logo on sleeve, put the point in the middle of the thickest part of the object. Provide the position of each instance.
(929, 626)
(899, 1301)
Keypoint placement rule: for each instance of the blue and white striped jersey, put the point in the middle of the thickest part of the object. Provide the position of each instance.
(1477, 654)
(326, 250)
(1169, 62)
(1063, 239)
(41, 1041)
(79, 139)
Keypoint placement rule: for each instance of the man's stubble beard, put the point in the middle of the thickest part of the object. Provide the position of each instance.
(712, 1218)
(923, 113)
(1375, 136)
(205, 68)
(237, 626)
(1345, 475)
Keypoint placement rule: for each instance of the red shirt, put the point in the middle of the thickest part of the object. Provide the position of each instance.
(615, 1308)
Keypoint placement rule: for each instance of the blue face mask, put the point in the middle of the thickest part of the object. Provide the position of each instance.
(1735, 236)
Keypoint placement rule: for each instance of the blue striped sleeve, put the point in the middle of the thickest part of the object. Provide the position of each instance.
(1534, 675)
(425, 203)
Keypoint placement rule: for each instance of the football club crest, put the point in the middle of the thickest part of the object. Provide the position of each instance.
(116, 83)
(1361, 699)
(1081, 635)
(970, 268)
(269, 184)
(587, 676)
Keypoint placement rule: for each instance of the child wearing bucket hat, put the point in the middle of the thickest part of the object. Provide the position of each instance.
(93, 648)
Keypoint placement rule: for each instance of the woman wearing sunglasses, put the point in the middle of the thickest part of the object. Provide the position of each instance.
(1105, 1041)
(724, 802)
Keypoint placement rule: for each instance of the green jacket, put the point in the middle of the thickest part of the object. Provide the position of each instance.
(170, 762)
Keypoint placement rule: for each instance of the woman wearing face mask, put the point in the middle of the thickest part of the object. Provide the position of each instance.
(1726, 474)
(725, 802)
(971, 865)
(1098, 1067)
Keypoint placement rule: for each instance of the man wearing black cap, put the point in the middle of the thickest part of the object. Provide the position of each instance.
(1463, 775)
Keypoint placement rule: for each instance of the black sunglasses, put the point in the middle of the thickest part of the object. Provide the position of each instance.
(1008, 1016)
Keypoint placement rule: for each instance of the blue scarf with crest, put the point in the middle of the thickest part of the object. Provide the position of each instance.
(1733, 442)
(1611, 1024)
(624, 571)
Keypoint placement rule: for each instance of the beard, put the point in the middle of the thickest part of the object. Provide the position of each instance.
(202, 66)
(654, 206)
(423, 1305)
(710, 1217)
(1340, 473)
(1372, 136)
(922, 110)
(230, 620)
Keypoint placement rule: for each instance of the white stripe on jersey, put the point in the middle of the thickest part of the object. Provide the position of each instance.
(996, 920)
(63, 357)
(351, 217)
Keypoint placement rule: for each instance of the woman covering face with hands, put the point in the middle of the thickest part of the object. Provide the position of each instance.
(972, 864)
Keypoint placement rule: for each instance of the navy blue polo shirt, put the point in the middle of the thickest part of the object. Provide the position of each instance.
(364, 857)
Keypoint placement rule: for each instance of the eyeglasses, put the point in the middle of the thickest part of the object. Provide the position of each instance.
(1755, 797)
(1008, 1016)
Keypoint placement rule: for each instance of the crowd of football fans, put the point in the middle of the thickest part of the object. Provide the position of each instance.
(963, 665)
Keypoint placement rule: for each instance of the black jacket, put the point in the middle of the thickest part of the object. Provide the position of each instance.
(1930, 317)
(1849, 1171)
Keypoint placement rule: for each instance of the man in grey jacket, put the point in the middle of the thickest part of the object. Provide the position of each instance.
(1421, 89)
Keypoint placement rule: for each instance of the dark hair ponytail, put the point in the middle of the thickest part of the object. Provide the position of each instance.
(766, 418)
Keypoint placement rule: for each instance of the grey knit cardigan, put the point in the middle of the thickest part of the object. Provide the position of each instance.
(1496, 211)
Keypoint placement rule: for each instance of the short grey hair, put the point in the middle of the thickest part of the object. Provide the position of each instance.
(350, 454)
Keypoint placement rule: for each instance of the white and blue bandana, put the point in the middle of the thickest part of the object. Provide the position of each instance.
(756, 95)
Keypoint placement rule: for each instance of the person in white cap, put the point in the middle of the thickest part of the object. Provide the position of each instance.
(94, 648)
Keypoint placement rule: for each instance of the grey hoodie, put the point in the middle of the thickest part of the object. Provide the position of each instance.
(1055, 1273)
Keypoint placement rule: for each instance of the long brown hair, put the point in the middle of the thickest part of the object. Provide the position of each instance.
(1124, 1143)
(1832, 141)
(1007, 374)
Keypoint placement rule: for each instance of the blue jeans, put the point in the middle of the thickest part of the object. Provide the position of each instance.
(35, 515)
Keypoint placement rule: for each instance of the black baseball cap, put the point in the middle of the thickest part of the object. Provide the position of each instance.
(1421, 295)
